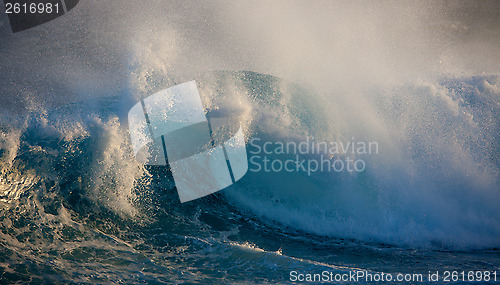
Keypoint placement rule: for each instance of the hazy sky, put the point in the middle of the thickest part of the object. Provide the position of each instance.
(323, 44)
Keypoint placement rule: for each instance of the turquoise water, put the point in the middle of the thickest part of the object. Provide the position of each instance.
(419, 79)
(76, 207)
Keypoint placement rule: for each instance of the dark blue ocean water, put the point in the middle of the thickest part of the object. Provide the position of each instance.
(77, 208)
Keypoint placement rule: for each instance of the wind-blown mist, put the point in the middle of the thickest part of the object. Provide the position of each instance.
(421, 79)
(398, 74)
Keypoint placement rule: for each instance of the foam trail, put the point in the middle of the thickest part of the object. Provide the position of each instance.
(372, 71)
